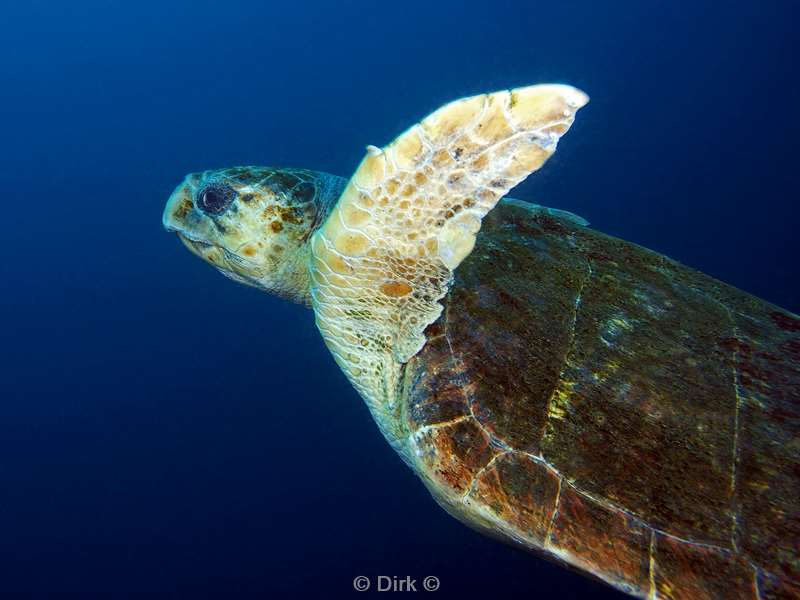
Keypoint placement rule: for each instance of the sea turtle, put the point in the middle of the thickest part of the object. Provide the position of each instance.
(553, 387)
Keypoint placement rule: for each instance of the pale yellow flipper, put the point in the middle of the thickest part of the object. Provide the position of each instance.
(409, 216)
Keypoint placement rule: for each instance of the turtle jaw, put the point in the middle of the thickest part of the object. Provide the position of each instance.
(197, 232)
(179, 209)
(196, 247)
(181, 217)
(228, 263)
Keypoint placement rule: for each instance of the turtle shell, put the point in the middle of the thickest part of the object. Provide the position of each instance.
(605, 406)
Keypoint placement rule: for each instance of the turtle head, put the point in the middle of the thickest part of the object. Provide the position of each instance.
(253, 223)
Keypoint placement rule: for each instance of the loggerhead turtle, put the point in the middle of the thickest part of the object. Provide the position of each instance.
(553, 387)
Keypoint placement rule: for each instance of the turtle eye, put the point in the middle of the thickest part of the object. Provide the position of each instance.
(215, 198)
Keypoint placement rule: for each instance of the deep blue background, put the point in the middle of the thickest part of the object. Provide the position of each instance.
(166, 432)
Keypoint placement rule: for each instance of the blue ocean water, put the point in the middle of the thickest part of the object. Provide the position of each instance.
(166, 433)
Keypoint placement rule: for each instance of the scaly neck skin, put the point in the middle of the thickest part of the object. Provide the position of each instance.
(292, 281)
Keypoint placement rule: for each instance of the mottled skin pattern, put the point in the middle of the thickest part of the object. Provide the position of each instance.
(259, 239)
(614, 410)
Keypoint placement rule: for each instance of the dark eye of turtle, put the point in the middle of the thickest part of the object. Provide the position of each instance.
(215, 198)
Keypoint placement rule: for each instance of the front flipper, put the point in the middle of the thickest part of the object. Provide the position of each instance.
(409, 216)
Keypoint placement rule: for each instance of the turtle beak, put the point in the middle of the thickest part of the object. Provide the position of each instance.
(181, 216)
(178, 208)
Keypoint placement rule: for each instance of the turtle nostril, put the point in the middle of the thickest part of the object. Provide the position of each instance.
(215, 198)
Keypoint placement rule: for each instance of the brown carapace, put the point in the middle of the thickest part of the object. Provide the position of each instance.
(620, 412)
